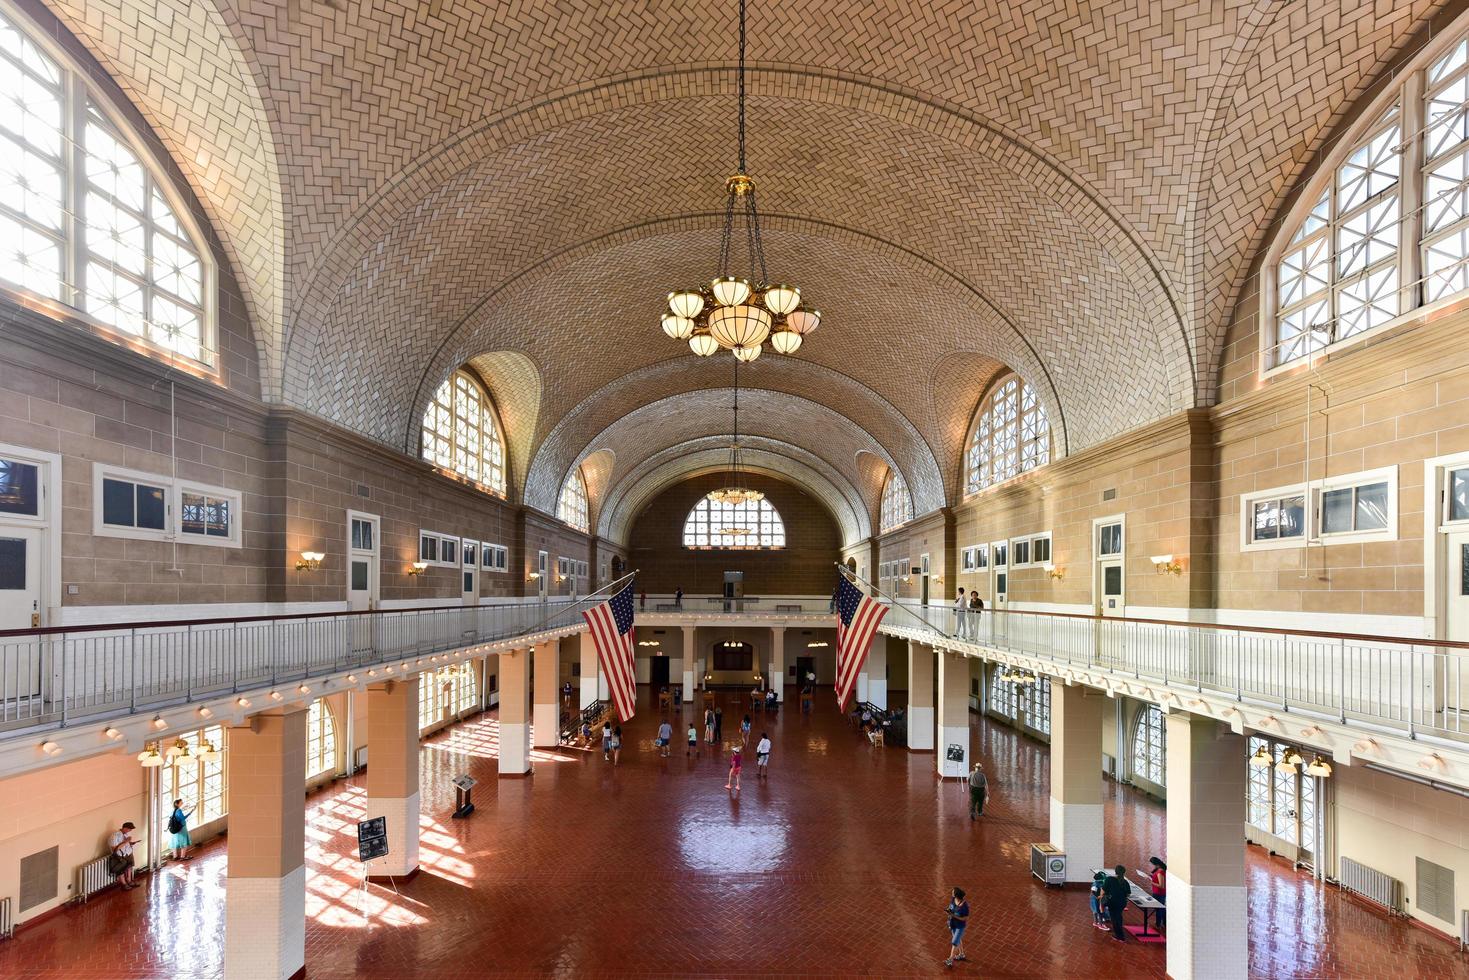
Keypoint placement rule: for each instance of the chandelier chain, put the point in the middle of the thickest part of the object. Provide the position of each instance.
(742, 86)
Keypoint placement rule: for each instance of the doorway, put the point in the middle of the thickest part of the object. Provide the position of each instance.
(29, 538)
(923, 579)
(469, 572)
(364, 574)
(805, 666)
(657, 673)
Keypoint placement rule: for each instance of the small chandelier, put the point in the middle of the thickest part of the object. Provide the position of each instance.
(735, 492)
(740, 313)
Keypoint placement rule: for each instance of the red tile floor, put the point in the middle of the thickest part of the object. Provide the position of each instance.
(839, 864)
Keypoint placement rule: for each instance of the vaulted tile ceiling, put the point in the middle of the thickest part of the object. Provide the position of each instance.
(1074, 190)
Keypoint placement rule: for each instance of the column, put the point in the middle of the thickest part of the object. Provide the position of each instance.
(265, 901)
(952, 727)
(691, 676)
(877, 671)
(514, 713)
(1207, 933)
(392, 771)
(1076, 777)
(588, 680)
(776, 677)
(920, 697)
(546, 715)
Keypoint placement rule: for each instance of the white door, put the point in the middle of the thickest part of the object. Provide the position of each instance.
(1456, 611)
(1110, 600)
(469, 571)
(20, 577)
(543, 567)
(364, 575)
(994, 623)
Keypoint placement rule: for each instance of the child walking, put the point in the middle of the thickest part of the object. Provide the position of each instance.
(745, 731)
(735, 764)
(693, 740)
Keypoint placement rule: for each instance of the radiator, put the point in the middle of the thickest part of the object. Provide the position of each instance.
(1372, 885)
(92, 877)
(1463, 929)
(7, 922)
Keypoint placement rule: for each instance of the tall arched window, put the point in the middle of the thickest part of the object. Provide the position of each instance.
(460, 433)
(572, 507)
(199, 783)
(1149, 746)
(83, 218)
(1004, 698)
(746, 527)
(1351, 258)
(321, 739)
(897, 505)
(1011, 434)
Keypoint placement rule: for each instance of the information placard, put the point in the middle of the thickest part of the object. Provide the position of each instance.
(372, 839)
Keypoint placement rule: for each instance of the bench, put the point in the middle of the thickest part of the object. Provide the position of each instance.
(1142, 900)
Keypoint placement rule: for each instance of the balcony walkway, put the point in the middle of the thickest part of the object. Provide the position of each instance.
(839, 865)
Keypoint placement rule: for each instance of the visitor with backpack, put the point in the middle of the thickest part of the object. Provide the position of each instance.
(178, 826)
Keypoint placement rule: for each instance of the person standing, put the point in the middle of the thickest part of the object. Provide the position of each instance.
(606, 740)
(709, 725)
(735, 764)
(976, 613)
(178, 826)
(1117, 891)
(979, 788)
(762, 757)
(958, 911)
(678, 598)
(745, 731)
(961, 605)
(120, 855)
(718, 724)
(1158, 878)
(665, 736)
(1099, 915)
(616, 744)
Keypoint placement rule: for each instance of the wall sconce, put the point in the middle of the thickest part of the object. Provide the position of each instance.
(417, 568)
(1290, 762)
(243, 702)
(275, 695)
(309, 561)
(351, 678)
(113, 734)
(205, 713)
(533, 576)
(158, 723)
(151, 758)
(1056, 574)
(1167, 565)
(304, 689)
(1319, 767)
(51, 748)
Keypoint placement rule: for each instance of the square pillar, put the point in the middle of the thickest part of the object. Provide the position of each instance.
(515, 713)
(589, 669)
(691, 676)
(776, 678)
(265, 901)
(920, 697)
(392, 770)
(952, 726)
(546, 716)
(877, 671)
(1076, 777)
(1207, 931)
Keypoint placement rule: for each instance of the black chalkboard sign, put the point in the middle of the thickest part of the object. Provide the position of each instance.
(372, 839)
(955, 752)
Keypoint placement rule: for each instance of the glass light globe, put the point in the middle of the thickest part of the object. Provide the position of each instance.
(739, 326)
(686, 303)
(781, 299)
(703, 344)
(678, 327)
(747, 354)
(785, 341)
(730, 291)
(804, 321)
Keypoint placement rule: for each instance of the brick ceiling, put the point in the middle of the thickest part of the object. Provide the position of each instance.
(1075, 190)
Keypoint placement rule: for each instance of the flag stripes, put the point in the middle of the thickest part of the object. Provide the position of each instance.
(858, 616)
(611, 626)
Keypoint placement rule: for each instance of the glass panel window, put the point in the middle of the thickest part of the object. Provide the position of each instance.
(744, 527)
(572, 507)
(1348, 509)
(1258, 808)
(1458, 495)
(1278, 518)
(205, 515)
(428, 699)
(449, 551)
(321, 739)
(460, 433)
(1041, 550)
(1004, 699)
(1109, 540)
(20, 492)
(362, 535)
(428, 547)
(1149, 749)
(1021, 551)
(1001, 554)
(897, 504)
(1011, 434)
(134, 505)
(981, 556)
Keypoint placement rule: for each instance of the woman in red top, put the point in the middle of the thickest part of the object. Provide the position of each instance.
(1159, 877)
(735, 764)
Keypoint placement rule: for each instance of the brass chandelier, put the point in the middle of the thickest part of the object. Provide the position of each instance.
(735, 492)
(740, 313)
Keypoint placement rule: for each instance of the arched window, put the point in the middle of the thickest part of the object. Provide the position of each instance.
(1149, 746)
(83, 218)
(428, 699)
(897, 505)
(572, 507)
(1280, 800)
(460, 433)
(1011, 434)
(747, 527)
(1037, 700)
(198, 783)
(321, 739)
(1352, 259)
(1004, 698)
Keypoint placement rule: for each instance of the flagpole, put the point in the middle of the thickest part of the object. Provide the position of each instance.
(605, 588)
(892, 599)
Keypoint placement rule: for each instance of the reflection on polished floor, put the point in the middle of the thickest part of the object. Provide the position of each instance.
(838, 865)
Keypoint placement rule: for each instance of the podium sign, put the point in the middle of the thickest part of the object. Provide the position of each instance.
(372, 839)
(465, 782)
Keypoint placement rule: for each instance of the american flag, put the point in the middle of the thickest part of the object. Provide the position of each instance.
(858, 616)
(612, 632)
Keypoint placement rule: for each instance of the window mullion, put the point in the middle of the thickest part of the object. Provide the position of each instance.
(76, 177)
(1410, 191)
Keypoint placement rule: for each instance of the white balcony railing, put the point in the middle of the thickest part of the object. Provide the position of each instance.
(61, 676)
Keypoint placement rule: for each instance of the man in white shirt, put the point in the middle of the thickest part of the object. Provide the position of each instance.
(961, 607)
(120, 860)
(762, 756)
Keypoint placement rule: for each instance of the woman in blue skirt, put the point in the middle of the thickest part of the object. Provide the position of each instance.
(178, 826)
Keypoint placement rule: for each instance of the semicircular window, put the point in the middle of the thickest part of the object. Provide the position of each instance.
(752, 526)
